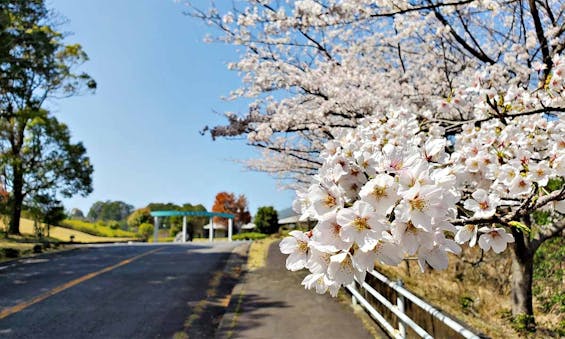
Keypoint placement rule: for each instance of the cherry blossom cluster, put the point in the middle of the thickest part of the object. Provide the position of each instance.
(390, 189)
(383, 192)
(503, 165)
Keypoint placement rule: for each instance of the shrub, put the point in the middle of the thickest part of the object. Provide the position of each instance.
(98, 229)
(145, 230)
(267, 220)
(10, 252)
(249, 236)
(114, 225)
(175, 229)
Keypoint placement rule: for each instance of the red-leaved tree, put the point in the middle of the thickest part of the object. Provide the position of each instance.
(228, 203)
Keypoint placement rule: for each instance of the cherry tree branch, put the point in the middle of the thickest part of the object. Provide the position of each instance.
(291, 154)
(454, 126)
(529, 205)
(541, 39)
(481, 56)
(421, 8)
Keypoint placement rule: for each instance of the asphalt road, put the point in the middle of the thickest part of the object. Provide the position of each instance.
(127, 291)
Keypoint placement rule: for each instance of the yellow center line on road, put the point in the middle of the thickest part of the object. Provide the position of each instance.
(23, 305)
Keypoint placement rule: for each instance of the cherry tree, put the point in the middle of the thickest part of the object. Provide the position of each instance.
(413, 126)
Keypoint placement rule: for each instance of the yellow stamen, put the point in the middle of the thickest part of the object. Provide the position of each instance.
(379, 192)
(418, 204)
(330, 201)
(361, 224)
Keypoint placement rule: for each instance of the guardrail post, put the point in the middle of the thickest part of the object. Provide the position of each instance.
(400, 305)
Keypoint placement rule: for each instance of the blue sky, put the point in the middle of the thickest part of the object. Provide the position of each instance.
(158, 86)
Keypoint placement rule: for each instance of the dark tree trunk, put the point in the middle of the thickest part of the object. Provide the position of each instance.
(522, 278)
(16, 203)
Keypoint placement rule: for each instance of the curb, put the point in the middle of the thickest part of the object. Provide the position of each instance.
(238, 256)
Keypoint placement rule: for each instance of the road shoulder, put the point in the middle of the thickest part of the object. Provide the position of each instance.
(270, 303)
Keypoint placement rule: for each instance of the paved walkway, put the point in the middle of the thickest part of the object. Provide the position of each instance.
(271, 303)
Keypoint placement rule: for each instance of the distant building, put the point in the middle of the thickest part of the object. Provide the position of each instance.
(292, 220)
(219, 230)
(248, 227)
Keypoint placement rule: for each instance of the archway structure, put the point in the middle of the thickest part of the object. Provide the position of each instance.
(159, 214)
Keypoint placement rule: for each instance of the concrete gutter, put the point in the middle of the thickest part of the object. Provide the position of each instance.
(237, 264)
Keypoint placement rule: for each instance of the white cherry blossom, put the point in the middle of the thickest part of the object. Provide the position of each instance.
(321, 283)
(381, 193)
(324, 201)
(423, 206)
(360, 224)
(297, 247)
(483, 204)
(341, 269)
(467, 233)
(410, 237)
(327, 236)
(495, 238)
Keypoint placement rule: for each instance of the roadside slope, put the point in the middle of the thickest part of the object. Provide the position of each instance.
(64, 234)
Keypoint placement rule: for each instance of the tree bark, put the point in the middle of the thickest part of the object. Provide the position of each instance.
(17, 201)
(522, 277)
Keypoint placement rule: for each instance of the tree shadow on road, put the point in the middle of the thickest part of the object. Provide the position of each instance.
(254, 307)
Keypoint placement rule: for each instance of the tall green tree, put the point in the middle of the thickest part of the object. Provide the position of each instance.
(166, 222)
(109, 210)
(267, 220)
(37, 156)
(194, 222)
(76, 214)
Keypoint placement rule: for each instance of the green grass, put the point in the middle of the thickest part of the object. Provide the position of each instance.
(249, 236)
(162, 239)
(97, 229)
(258, 251)
(549, 274)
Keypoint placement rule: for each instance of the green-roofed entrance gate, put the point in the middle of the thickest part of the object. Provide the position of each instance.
(159, 214)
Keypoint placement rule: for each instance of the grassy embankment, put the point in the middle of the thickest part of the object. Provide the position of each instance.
(22, 245)
(84, 235)
(98, 230)
(28, 243)
(259, 250)
(480, 294)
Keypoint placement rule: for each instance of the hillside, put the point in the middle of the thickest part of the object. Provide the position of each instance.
(64, 234)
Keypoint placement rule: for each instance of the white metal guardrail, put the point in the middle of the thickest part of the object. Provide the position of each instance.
(398, 309)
